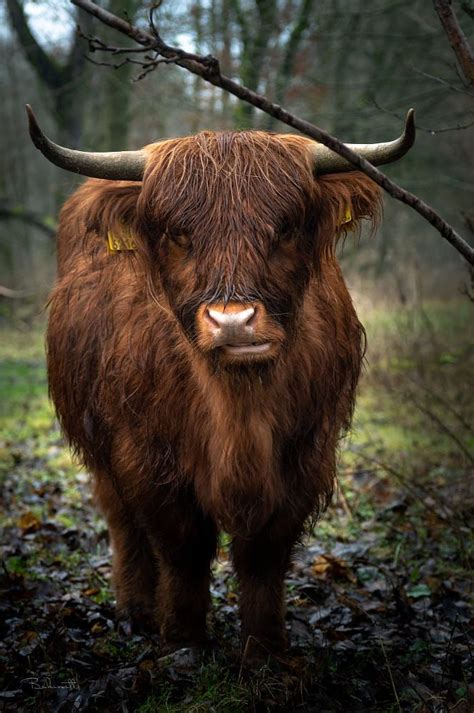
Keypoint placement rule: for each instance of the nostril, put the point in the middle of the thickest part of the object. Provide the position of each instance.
(252, 318)
(230, 320)
(211, 319)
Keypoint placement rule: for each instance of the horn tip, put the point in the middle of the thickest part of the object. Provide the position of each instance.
(410, 127)
(36, 134)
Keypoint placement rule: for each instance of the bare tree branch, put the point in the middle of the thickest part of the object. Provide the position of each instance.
(46, 68)
(7, 213)
(242, 20)
(468, 9)
(63, 79)
(208, 68)
(291, 49)
(14, 294)
(457, 39)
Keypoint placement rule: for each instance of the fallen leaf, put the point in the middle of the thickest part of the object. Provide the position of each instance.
(28, 522)
(90, 592)
(327, 566)
(419, 590)
(147, 665)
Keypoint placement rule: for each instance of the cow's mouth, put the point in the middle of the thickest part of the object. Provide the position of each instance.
(248, 349)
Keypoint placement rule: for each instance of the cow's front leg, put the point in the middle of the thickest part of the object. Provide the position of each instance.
(261, 562)
(184, 543)
(134, 569)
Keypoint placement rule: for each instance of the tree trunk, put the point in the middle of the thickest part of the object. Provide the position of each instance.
(118, 86)
(66, 83)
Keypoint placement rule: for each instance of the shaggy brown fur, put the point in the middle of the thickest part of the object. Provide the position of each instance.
(182, 443)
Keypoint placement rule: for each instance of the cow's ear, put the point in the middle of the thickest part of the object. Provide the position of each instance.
(107, 204)
(92, 218)
(344, 200)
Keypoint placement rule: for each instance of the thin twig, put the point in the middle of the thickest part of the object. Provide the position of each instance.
(444, 129)
(391, 677)
(344, 502)
(117, 65)
(444, 82)
(419, 493)
(442, 427)
(443, 402)
(97, 45)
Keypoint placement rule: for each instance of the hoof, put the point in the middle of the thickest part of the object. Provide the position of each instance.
(257, 653)
(134, 620)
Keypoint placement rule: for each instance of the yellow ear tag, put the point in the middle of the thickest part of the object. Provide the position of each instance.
(347, 216)
(120, 241)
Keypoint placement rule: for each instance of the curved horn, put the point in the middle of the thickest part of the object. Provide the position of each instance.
(114, 165)
(327, 161)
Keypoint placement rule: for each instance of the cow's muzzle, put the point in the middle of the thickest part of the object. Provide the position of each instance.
(239, 331)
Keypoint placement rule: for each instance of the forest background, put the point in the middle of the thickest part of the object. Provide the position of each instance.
(351, 67)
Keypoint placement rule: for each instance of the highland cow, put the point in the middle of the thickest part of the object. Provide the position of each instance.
(203, 355)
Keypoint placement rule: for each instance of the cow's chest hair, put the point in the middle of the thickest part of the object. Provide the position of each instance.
(237, 465)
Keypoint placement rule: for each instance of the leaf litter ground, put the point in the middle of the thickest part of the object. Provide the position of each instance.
(378, 597)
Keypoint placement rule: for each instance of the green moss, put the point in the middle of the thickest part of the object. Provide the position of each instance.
(16, 565)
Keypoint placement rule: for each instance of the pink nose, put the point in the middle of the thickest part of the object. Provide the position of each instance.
(231, 321)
